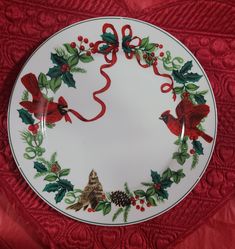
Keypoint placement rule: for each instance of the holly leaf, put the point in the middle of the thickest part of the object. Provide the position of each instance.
(163, 193)
(195, 160)
(178, 77)
(60, 195)
(52, 187)
(58, 60)
(40, 167)
(77, 70)
(140, 193)
(192, 77)
(197, 145)
(178, 175)
(65, 184)
(68, 79)
(186, 67)
(181, 157)
(144, 42)
(103, 48)
(166, 183)
(107, 208)
(25, 116)
(155, 176)
(50, 177)
(55, 84)
(42, 80)
(86, 58)
(191, 87)
(184, 146)
(199, 99)
(100, 206)
(69, 49)
(73, 60)
(151, 200)
(178, 90)
(64, 172)
(150, 47)
(54, 72)
(166, 174)
(109, 38)
(150, 191)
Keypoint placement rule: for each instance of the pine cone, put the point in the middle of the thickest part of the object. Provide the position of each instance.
(120, 198)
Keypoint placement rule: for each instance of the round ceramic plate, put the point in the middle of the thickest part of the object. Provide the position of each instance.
(112, 121)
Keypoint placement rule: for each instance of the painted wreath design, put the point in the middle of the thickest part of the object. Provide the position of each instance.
(39, 109)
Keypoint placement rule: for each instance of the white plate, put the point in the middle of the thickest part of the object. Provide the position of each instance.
(143, 121)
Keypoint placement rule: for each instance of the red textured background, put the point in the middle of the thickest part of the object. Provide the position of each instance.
(207, 28)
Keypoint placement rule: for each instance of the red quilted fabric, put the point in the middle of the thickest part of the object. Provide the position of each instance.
(207, 28)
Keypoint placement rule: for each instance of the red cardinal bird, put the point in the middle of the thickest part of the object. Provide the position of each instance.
(189, 116)
(42, 108)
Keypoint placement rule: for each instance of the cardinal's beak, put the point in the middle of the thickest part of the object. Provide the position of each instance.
(160, 118)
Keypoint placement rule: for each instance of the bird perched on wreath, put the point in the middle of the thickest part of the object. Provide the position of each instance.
(91, 195)
(189, 116)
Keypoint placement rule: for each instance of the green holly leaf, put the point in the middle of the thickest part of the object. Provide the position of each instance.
(178, 90)
(77, 70)
(199, 99)
(195, 160)
(184, 146)
(40, 167)
(192, 77)
(191, 87)
(86, 58)
(60, 195)
(50, 126)
(65, 184)
(166, 174)
(107, 208)
(151, 200)
(144, 42)
(155, 176)
(178, 77)
(25, 96)
(25, 116)
(52, 187)
(58, 60)
(64, 172)
(140, 193)
(109, 38)
(186, 67)
(103, 48)
(54, 72)
(162, 193)
(50, 177)
(181, 157)
(178, 175)
(100, 206)
(68, 79)
(69, 49)
(55, 84)
(166, 183)
(73, 60)
(126, 48)
(42, 80)
(150, 191)
(150, 47)
(197, 145)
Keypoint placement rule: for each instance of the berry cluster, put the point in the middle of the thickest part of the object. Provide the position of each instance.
(139, 203)
(33, 128)
(82, 46)
(153, 57)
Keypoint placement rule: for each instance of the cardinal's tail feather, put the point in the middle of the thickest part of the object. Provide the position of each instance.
(30, 82)
(206, 137)
(77, 206)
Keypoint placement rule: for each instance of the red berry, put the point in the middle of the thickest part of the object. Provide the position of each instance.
(142, 209)
(136, 197)
(161, 54)
(82, 48)
(192, 151)
(160, 46)
(138, 207)
(64, 68)
(85, 40)
(152, 54)
(33, 128)
(36, 126)
(132, 198)
(54, 168)
(90, 210)
(91, 45)
(157, 186)
(73, 45)
(149, 204)
(145, 56)
(133, 203)
(141, 201)
(80, 38)
(93, 51)
(88, 53)
(150, 58)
